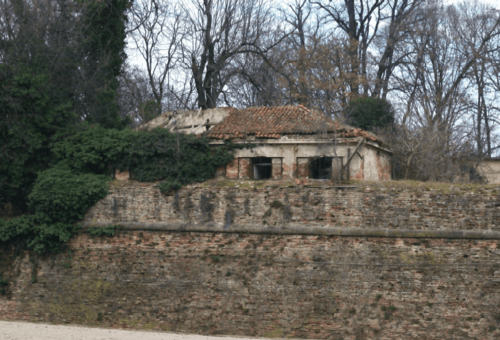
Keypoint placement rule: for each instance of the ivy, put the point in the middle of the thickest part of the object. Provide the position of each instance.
(175, 159)
(94, 149)
(84, 162)
(60, 198)
(156, 155)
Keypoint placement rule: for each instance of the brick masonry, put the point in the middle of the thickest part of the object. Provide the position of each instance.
(277, 168)
(245, 168)
(232, 169)
(281, 205)
(302, 167)
(304, 286)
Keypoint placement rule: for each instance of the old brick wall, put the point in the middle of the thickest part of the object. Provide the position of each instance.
(232, 169)
(277, 168)
(245, 168)
(284, 206)
(263, 283)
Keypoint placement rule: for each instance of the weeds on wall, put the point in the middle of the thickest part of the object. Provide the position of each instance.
(83, 166)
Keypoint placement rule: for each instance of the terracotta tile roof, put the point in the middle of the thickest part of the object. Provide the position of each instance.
(273, 122)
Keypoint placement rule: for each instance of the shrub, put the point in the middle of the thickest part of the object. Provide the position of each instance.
(94, 149)
(62, 194)
(60, 198)
(155, 155)
(66, 195)
(180, 159)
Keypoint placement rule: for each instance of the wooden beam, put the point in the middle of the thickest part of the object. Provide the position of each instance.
(356, 152)
(360, 143)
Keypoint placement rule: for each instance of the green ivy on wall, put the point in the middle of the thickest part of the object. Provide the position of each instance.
(62, 194)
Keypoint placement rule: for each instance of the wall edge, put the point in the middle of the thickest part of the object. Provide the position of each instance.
(320, 231)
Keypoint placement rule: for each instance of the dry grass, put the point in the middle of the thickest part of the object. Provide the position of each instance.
(439, 187)
(383, 186)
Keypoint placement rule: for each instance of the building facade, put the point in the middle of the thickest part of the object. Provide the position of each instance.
(286, 142)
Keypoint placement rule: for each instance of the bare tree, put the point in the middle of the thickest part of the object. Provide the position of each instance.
(157, 29)
(136, 100)
(220, 32)
(364, 21)
(303, 44)
(442, 72)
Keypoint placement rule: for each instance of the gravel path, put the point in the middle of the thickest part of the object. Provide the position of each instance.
(39, 331)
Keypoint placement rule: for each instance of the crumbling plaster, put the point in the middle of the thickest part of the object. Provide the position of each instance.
(490, 170)
(373, 165)
(190, 122)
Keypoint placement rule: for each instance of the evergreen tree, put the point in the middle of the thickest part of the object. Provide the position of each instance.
(369, 113)
(58, 68)
(103, 56)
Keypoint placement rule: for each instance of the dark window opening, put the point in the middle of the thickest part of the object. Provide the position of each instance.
(262, 167)
(321, 168)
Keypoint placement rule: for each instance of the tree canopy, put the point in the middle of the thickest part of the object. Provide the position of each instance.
(370, 113)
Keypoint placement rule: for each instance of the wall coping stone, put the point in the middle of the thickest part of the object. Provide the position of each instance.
(302, 230)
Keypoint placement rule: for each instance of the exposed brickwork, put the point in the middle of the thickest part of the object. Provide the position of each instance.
(302, 167)
(245, 168)
(291, 286)
(220, 172)
(289, 170)
(301, 205)
(232, 169)
(122, 175)
(277, 168)
(321, 287)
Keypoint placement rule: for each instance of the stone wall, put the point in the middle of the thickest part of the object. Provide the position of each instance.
(243, 277)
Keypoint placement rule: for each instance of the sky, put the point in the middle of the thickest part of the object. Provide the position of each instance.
(495, 3)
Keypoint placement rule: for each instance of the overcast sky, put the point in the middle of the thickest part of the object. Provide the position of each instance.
(495, 3)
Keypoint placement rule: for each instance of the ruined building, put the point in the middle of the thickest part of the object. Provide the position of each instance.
(286, 142)
(489, 169)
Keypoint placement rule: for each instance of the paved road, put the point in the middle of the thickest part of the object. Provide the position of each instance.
(39, 331)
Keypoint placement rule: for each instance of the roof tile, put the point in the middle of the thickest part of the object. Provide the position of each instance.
(273, 122)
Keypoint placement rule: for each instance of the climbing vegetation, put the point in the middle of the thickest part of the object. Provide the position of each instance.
(83, 165)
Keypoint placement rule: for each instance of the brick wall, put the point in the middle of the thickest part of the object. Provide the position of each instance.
(263, 285)
(232, 169)
(231, 281)
(240, 204)
(277, 168)
(245, 168)
(302, 167)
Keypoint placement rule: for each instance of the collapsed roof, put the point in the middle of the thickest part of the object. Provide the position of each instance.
(261, 122)
(273, 122)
